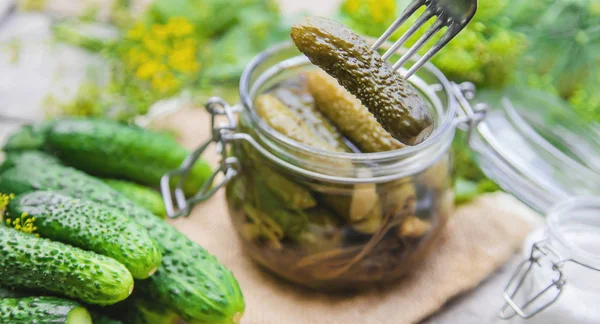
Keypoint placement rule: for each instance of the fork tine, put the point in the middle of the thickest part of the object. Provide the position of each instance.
(417, 46)
(448, 35)
(416, 4)
(423, 19)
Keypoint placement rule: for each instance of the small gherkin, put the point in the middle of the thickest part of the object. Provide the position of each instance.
(49, 310)
(349, 58)
(349, 115)
(30, 262)
(90, 226)
(110, 149)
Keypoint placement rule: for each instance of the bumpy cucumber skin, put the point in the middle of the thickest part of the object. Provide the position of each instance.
(189, 280)
(15, 157)
(109, 149)
(47, 310)
(37, 263)
(349, 58)
(294, 93)
(285, 121)
(141, 195)
(349, 115)
(92, 227)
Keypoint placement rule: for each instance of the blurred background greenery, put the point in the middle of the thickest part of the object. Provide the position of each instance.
(200, 47)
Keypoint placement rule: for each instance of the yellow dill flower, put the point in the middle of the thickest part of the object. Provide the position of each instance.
(135, 56)
(161, 54)
(154, 45)
(381, 10)
(179, 26)
(148, 69)
(160, 31)
(23, 223)
(184, 60)
(4, 199)
(137, 32)
(164, 82)
(351, 6)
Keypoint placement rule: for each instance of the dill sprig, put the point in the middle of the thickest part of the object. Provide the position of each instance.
(23, 223)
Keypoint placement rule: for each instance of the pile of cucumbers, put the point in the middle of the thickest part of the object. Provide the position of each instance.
(83, 237)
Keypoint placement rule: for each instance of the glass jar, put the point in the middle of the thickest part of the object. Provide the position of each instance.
(336, 220)
(342, 220)
(560, 282)
(323, 219)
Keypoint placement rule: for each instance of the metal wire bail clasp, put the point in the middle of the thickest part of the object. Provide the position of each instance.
(469, 116)
(229, 166)
(528, 308)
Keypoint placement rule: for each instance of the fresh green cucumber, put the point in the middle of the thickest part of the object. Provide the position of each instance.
(89, 226)
(47, 310)
(30, 262)
(33, 163)
(141, 195)
(348, 57)
(139, 309)
(189, 280)
(29, 137)
(110, 149)
(15, 157)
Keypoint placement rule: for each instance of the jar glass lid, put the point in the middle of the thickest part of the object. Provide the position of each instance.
(536, 147)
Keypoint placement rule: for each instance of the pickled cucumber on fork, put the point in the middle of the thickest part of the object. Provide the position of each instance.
(348, 57)
(349, 115)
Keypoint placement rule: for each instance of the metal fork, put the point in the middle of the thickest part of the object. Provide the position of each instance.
(454, 14)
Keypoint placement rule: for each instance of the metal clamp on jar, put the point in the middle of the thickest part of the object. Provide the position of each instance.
(332, 220)
(560, 282)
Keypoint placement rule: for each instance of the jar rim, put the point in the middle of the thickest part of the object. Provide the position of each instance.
(558, 217)
(445, 125)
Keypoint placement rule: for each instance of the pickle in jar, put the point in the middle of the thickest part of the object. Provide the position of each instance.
(346, 56)
(292, 221)
(349, 115)
(324, 232)
(290, 193)
(437, 176)
(295, 94)
(285, 121)
(361, 207)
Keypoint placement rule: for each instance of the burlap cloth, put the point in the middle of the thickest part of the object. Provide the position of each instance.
(480, 238)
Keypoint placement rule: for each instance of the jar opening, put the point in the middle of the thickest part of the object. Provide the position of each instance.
(279, 62)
